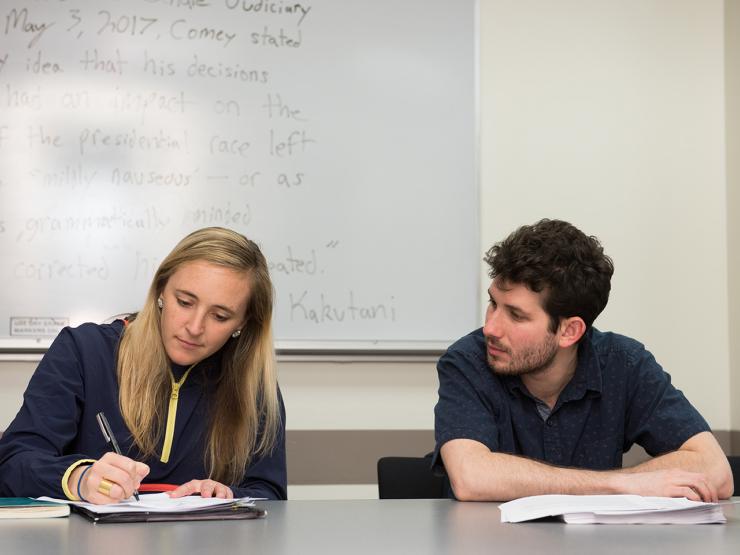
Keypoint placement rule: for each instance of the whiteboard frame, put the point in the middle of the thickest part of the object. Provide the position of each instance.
(20, 349)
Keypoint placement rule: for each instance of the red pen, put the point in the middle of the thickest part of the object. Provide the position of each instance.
(157, 487)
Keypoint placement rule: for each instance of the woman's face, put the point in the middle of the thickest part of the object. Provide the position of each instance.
(203, 304)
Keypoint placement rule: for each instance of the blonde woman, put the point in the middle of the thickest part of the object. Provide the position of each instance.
(188, 385)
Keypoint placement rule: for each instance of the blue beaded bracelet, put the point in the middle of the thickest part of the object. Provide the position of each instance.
(79, 482)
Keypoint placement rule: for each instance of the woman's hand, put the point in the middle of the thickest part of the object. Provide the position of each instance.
(206, 488)
(111, 479)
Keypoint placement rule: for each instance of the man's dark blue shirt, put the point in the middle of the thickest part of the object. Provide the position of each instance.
(618, 396)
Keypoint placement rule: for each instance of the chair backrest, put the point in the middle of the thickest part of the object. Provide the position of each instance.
(735, 466)
(408, 478)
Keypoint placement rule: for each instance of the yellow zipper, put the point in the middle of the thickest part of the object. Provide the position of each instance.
(169, 431)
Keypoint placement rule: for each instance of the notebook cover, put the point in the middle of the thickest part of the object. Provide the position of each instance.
(223, 512)
(27, 507)
(15, 502)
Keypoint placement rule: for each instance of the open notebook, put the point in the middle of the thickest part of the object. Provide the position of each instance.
(612, 509)
(160, 507)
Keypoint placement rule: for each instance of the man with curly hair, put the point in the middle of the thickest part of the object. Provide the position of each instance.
(538, 401)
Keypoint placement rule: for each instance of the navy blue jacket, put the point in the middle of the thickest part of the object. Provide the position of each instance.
(75, 380)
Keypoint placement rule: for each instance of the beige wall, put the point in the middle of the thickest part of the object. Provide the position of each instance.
(732, 105)
(609, 114)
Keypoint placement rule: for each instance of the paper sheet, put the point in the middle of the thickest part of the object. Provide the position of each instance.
(156, 502)
(629, 506)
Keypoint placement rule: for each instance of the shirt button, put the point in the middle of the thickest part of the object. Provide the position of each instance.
(551, 422)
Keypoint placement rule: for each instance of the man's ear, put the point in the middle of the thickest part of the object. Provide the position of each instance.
(571, 330)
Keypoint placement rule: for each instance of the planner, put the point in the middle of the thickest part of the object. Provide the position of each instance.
(160, 507)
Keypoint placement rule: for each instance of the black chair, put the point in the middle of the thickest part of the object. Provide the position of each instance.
(735, 466)
(409, 478)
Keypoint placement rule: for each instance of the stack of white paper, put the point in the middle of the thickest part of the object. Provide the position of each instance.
(612, 509)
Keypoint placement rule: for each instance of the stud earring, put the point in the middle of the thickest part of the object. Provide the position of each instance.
(160, 303)
(236, 334)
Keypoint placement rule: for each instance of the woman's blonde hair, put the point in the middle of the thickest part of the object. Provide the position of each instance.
(246, 398)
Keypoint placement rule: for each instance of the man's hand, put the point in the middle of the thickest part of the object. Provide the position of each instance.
(701, 456)
(668, 483)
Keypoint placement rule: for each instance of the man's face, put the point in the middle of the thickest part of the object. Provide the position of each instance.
(517, 331)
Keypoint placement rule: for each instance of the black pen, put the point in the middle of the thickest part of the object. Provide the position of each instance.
(110, 438)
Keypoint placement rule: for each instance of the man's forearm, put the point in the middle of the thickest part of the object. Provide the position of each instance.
(700, 453)
(485, 476)
(477, 474)
(692, 462)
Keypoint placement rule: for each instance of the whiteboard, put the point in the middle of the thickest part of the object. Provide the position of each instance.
(339, 135)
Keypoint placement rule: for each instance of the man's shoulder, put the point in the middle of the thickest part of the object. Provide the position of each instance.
(466, 356)
(605, 343)
(619, 356)
(470, 345)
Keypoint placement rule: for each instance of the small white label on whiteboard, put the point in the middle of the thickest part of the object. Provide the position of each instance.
(36, 326)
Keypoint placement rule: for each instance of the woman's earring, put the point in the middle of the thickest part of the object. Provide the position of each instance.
(236, 334)
(160, 303)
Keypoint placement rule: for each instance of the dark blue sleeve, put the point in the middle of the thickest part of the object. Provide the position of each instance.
(462, 412)
(659, 417)
(33, 450)
(267, 475)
